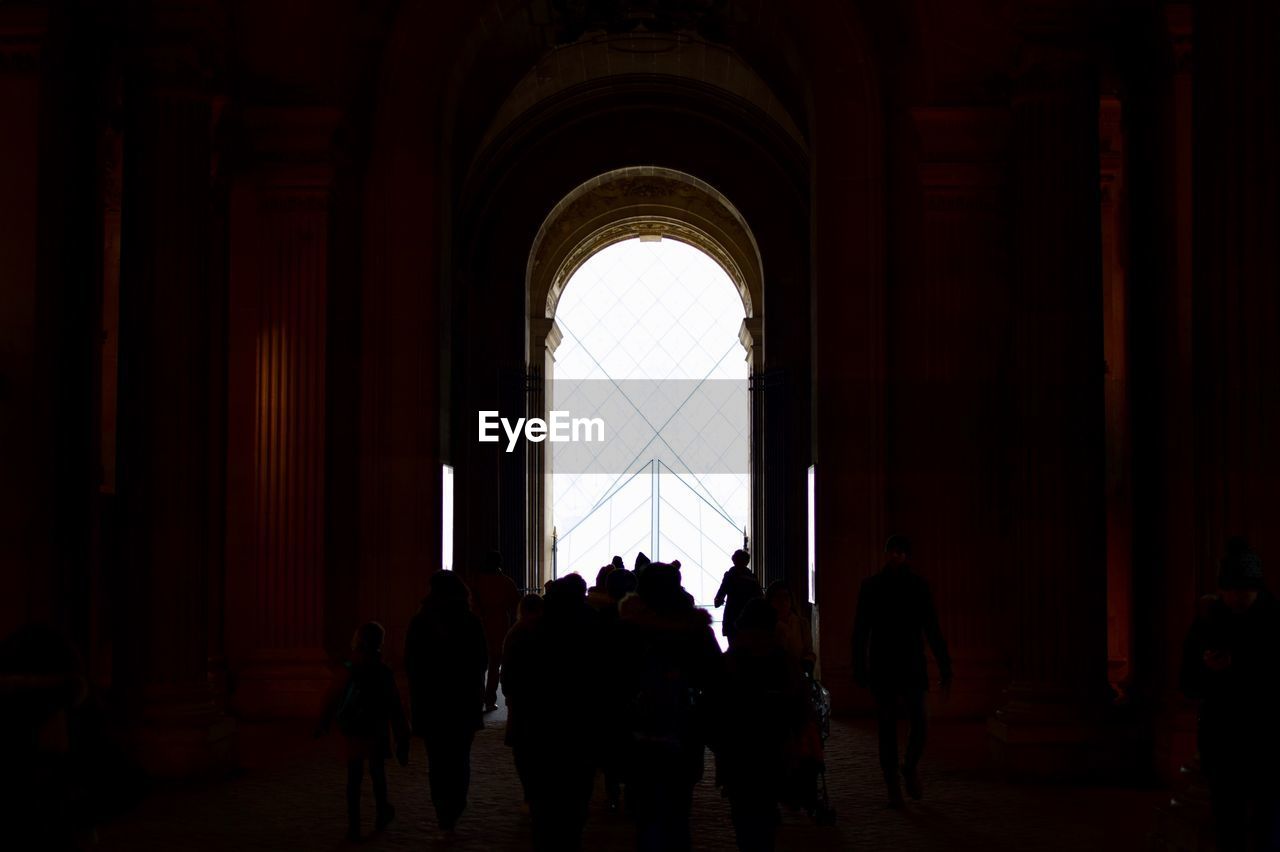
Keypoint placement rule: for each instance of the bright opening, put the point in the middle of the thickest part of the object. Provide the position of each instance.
(446, 517)
(643, 313)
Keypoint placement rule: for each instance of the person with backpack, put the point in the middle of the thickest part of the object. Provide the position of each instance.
(365, 706)
(669, 656)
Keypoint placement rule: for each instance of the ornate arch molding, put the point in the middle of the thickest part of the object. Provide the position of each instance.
(641, 201)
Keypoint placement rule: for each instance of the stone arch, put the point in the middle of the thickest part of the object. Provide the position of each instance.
(641, 201)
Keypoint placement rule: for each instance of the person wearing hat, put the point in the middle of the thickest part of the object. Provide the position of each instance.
(895, 617)
(1231, 665)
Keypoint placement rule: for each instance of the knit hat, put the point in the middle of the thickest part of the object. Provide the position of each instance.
(1240, 568)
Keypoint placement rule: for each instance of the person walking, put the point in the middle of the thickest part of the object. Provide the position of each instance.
(365, 706)
(446, 657)
(895, 617)
(494, 598)
(738, 586)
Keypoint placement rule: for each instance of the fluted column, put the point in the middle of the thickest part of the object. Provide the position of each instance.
(168, 461)
(276, 447)
(544, 339)
(1051, 721)
(1236, 301)
(946, 425)
(26, 545)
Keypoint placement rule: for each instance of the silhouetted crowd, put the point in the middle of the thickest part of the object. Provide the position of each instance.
(626, 680)
(623, 679)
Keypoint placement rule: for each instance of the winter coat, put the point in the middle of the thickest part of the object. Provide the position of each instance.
(757, 708)
(895, 617)
(446, 657)
(365, 703)
(669, 656)
(494, 598)
(551, 673)
(1240, 703)
(796, 637)
(738, 586)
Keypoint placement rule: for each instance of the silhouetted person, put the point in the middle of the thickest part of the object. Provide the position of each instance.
(613, 745)
(494, 597)
(738, 586)
(895, 616)
(551, 679)
(598, 595)
(366, 707)
(642, 562)
(446, 656)
(759, 706)
(519, 734)
(794, 632)
(1231, 663)
(670, 657)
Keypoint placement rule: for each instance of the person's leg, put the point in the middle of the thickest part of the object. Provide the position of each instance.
(918, 718)
(450, 767)
(440, 775)
(463, 768)
(520, 755)
(491, 679)
(755, 820)
(378, 775)
(355, 774)
(887, 726)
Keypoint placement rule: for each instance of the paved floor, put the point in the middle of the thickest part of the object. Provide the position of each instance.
(289, 797)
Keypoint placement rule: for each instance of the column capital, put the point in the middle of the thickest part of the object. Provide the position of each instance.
(751, 335)
(545, 333)
(22, 34)
(962, 153)
(292, 134)
(1179, 32)
(178, 46)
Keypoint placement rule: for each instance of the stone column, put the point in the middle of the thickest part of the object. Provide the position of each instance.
(948, 348)
(280, 221)
(544, 339)
(1051, 720)
(1180, 582)
(26, 542)
(751, 336)
(1235, 299)
(167, 478)
(1118, 487)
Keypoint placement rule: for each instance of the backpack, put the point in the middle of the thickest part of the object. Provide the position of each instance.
(358, 712)
(664, 713)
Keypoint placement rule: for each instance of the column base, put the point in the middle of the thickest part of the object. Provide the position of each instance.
(287, 684)
(182, 735)
(1054, 735)
(980, 681)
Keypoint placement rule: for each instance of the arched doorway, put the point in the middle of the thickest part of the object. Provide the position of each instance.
(664, 257)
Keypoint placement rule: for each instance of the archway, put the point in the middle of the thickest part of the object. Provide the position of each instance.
(657, 250)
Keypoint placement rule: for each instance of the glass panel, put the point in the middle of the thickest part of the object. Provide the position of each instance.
(643, 314)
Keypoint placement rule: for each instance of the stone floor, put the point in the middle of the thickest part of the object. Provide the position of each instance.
(289, 796)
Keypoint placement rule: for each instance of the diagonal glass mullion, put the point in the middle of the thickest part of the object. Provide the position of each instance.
(657, 433)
